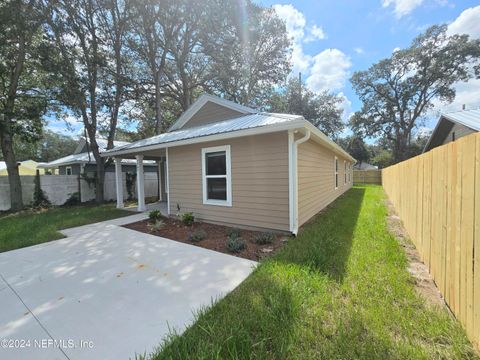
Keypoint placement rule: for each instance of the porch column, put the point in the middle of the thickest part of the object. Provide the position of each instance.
(159, 177)
(119, 182)
(140, 183)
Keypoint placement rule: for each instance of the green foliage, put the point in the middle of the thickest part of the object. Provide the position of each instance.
(156, 226)
(39, 197)
(356, 147)
(233, 232)
(73, 200)
(264, 238)
(321, 109)
(188, 218)
(155, 215)
(197, 236)
(235, 244)
(398, 91)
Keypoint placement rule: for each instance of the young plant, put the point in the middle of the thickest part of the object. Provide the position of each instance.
(233, 233)
(155, 215)
(188, 218)
(197, 236)
(264, 238)
(156, 226)
(235, 244)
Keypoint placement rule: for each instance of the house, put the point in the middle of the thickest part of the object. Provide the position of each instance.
(230, 164)
(364, 166)
(452, 126)
(27, 167)
(83, 161)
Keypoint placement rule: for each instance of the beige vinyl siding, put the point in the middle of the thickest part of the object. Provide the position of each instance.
(459, 130)
(316, 179)
(210, 113)
(259, 182)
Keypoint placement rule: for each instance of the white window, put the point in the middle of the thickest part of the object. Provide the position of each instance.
(68, 170)
(216, 176)
(335, 167)
(345, 174)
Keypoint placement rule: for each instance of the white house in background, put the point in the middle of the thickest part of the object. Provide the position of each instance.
(364, 166)
(233, 165)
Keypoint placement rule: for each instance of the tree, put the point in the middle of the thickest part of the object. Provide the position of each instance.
(248, 48)
(89, 37)
(398, 91)
(356, 147)
(23, 99)
(321, 109)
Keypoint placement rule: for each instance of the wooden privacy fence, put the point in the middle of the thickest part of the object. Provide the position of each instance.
(437, 196)
(367, 177)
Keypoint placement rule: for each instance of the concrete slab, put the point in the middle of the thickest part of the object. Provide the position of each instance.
(114, 288)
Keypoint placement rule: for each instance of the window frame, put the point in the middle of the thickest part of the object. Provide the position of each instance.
(227, 176)
(67, 168)
(335, 172)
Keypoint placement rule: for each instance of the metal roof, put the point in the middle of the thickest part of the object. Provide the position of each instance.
(86, 158)
(469, 118)
(240, 123)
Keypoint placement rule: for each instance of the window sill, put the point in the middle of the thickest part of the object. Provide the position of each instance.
(217, 203)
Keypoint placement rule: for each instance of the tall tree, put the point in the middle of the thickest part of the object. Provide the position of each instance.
(321, 109)
(89, 35)
(398, 91)
(356, 147)
(23, 100)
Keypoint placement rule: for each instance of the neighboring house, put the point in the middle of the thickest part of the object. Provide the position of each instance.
(452, 126)
(27, 167)
(233, 165)
(83, 161)
(364, 166)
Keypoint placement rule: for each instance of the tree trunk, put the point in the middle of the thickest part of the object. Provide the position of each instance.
(158, 107)
(16, 199)
(400, 148)
(100, 181)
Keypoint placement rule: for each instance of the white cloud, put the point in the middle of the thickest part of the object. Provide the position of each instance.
(467, 93)
(315, 33)
(346, 106)
(395, 49)
(329, 70)
(359, 50)
(402, 7)
(467, 23)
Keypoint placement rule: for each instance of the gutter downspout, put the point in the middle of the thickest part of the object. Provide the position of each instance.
(293, 176)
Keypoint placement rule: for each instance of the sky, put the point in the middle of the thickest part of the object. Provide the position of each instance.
(332, 39)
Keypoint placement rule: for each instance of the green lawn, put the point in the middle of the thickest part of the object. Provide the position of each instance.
(339, 291)
(34, 227)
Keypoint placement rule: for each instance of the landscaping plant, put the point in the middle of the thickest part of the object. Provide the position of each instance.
(264, 238)
(233, 232)
(155, 215)
(236, 244)
(188, 218)
(197, 236)
(156, 226)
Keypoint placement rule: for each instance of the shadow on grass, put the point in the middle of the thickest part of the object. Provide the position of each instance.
(324, 243)
(259, 321)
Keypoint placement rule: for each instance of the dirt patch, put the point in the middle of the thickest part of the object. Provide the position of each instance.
(424, 283)
(216, 237)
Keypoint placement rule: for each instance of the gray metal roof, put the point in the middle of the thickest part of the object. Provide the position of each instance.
(469, 118)
(86, 158)
(241, 123)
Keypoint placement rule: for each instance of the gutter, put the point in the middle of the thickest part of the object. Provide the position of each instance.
(293, 176)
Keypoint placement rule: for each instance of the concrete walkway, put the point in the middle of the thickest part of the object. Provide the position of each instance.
(106, 292)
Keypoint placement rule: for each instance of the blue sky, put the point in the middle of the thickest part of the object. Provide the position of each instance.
(332, 39)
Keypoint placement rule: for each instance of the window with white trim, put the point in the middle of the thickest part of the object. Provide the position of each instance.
(335, 168)
(68, 170)
(216, 176)
(345, 173)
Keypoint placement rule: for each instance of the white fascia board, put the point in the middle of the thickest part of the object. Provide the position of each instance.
(222, 136)
(201, 101)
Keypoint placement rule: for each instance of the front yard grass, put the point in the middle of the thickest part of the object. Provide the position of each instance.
(340, 290)
(34, 227)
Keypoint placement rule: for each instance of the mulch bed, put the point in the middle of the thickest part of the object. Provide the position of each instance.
(216, 237)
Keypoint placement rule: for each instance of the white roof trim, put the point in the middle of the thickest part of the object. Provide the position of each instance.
(201, 101)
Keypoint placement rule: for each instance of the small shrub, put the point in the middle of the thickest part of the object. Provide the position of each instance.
(233, 233)
(39, 197)
(188, 218)
(197, 236)
(235, 244)
(73, 200)
(155, 215)
(264, 238)
(156, 226)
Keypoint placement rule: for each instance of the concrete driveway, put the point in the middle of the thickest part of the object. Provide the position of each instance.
(106, 292)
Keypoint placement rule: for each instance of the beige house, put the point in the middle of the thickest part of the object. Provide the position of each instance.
(230, 164)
